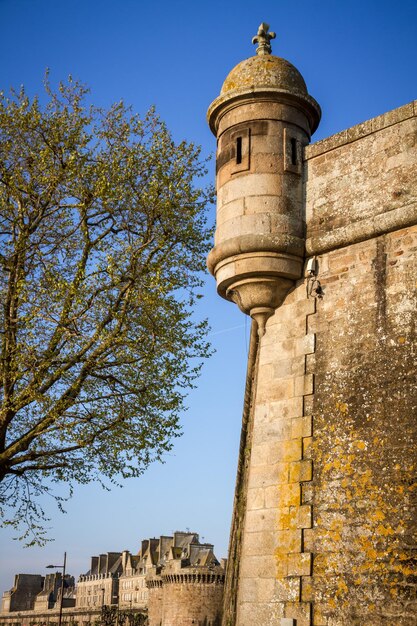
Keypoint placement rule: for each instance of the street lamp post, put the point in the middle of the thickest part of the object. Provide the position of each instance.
(62, 585)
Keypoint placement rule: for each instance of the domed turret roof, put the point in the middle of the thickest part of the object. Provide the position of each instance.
(265, 71)
(264, 77)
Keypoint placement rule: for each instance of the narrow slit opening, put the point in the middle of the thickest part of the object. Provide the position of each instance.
(238, 150)
(293, 151)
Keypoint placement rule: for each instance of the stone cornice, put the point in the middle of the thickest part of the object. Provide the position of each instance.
(238, 97)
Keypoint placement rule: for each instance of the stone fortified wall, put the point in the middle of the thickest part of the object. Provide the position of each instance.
(361, 194)
(323, 530)
(191, 596)
(155, 599)
(330, 511)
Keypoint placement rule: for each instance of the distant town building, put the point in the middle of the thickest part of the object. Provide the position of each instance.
(49, 597)
(100, 585)
(172, 580)
(133, 592)
(21, 597)
(33, 592)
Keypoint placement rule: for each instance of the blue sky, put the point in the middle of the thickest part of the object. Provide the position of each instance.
(359, 60)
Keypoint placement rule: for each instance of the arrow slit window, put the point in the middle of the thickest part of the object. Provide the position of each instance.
(240, 140)
(293, 152)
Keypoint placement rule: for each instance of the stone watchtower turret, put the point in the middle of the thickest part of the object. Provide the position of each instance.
(323, 528)
(262, 119)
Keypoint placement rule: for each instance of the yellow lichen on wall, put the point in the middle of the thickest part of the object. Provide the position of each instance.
(364, 444)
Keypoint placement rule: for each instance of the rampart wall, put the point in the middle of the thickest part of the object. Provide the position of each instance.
(329, 528)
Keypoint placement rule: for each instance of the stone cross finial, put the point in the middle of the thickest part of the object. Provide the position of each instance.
(263, 38)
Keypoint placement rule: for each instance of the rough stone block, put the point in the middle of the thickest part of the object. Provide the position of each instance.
(230, 211)
(304, 516)
(308, 404)
(302, 426)
(360, 130)
(392, 117)
(250, 185)
(260, 520)
(279, 389)
(258, 613)
(271, 496)
(298, 309)
(284, 518)
(291, 450)
(274, 352)
(292, 407)
(287, 590)
(307, 443)
(299, 564)
(295, 327)
(268, 475)
(280, 494)
(264, 204)
(259, 543)
(308, 539)
(300, 611)
(271, 452)
(305, 345)
(289, 541)
(258, 454)
(304, 385)
(273, 430)
(281, 570)
(244, 225)
(307, 493)
(256, 498)
(266, 163)
(289, 367)
(266, 372)
(341, 262)
(258, 566)
(306, 588)
(320, 617)
(258, 589)
(301, 471)
(310, 360)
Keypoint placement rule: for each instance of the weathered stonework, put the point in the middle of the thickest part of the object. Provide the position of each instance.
(364, 447)
(323, 530)
(192, 595)
(185, 583)
(361, 192)
(275, 567)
